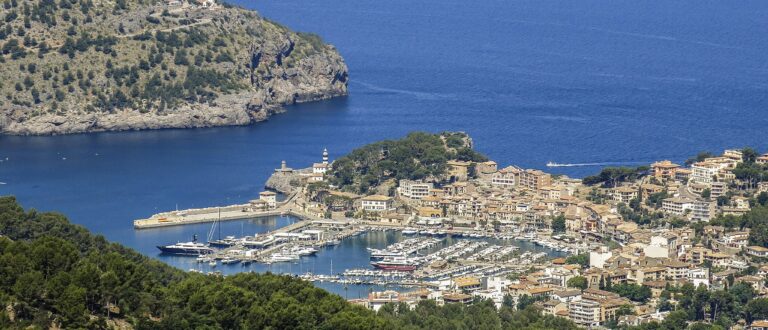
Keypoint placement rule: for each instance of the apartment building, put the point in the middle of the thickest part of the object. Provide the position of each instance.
(414, 189)
(376, 203)
(585, 312)
(677, 205)
(664, 170)
(624, 194)
(706, 171)
(506, 177)
(535, 179)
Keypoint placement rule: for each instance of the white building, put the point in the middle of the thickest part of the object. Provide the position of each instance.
(677, 205)
(762, 159)
(316, 234)
(704, 172)
(598, 257)
(702, 211)
(321, 168)
(741, 202)
(734, 154)
(757, 251)
(699, 276)
(376, 203)
(414, 189)
(315, 177)
(661, 246)
(269, 197)
(585, 312)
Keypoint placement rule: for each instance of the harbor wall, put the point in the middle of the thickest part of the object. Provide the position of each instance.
(232, 212)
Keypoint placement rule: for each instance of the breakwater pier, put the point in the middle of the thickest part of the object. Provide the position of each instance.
(211, 214)
(217, 213)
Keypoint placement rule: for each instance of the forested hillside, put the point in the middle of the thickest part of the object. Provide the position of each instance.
(70, 66)
(419, 155)
(53, 272)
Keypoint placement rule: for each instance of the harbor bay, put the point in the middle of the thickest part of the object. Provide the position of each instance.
(549, 102)
(576, 164)
(344, 267)
(547, 87)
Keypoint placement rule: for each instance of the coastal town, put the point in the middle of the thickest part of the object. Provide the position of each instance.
(383, 165)
(624, 246)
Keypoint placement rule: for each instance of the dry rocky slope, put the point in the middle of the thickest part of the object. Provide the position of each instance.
(74, 66)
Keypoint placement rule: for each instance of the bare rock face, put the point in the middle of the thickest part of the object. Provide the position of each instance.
(314, 78)
(270, 65)
(285, 182)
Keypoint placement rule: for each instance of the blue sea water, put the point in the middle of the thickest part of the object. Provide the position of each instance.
(531, 81)
(351, 253)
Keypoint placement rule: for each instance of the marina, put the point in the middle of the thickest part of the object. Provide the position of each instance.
(337, 254)
(416, 250)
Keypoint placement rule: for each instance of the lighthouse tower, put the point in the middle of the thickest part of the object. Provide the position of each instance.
(319, 169)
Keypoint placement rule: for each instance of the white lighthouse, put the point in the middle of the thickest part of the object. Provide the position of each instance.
(319, 169)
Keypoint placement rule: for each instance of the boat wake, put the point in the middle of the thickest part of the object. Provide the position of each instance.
(551, 164)
(416, 94)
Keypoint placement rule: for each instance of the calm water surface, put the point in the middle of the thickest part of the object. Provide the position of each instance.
(532, 81)
(351, 253)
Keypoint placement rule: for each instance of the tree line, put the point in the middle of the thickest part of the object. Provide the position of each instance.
(56, 273)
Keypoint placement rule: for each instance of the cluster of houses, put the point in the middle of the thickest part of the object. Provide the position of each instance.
(667, 259)
(483, 197)
(546, 287)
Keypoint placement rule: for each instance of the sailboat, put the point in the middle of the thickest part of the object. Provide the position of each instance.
(213, 228)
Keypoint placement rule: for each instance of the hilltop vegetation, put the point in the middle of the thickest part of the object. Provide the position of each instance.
(417, 156)
(612, 176)
(53, 272)
(84, 60)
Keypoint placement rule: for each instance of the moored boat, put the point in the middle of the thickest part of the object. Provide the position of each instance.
(228, 261)
(381, 254)
(282, 257)
(225, 242)
(186, 248)
(410, 231)
(399, 264)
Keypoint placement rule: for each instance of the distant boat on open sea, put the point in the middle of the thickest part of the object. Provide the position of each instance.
(552, 164)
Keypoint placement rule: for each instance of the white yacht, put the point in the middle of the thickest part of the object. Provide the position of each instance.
(186, 248)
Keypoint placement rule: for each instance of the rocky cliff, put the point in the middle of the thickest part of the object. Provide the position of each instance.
(83, 66)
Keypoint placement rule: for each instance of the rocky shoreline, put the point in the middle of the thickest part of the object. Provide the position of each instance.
(242, 108)
(230, 110)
